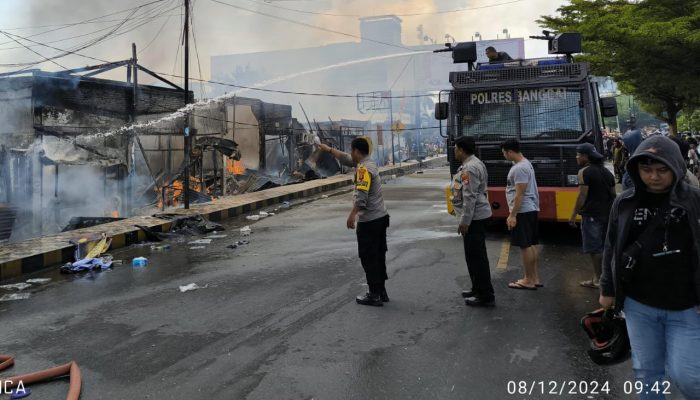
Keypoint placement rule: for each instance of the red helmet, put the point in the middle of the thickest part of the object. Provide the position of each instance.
(607, 330)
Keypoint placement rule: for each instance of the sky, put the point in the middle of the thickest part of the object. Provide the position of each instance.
(220, 29)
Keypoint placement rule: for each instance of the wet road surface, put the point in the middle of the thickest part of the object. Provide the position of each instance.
(276, 319)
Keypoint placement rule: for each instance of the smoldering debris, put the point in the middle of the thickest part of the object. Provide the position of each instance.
(16, 286)
(39, 280)
(201, 241)
(15, 296)
(238, 244)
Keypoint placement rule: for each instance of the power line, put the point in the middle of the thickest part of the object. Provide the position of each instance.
(101, 21)
(196, 51)
(398, 15)
(74, 50)
(392, 86)
(86, 34)
(156, 35)
(296, 93)
(66, 52)
(32, 50)
(318, 94)
(179, 42)
(91, 20)
(318, 27)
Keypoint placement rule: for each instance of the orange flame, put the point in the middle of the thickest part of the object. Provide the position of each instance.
(174, 191)
(235, 167)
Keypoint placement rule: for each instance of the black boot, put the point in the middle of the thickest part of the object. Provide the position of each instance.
(478, 302)
(384, 296)
(370, 299)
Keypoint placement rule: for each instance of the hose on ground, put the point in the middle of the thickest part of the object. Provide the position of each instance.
(71, 369)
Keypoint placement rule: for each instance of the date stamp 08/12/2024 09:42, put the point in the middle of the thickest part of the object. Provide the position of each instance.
(584, 388)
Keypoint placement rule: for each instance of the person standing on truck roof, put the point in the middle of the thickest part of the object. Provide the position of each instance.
(524, 205)
(471, 205)
(596, 193)
(496, 57)
(371, 216)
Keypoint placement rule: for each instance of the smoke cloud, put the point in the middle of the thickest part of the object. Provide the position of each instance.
(225, 30)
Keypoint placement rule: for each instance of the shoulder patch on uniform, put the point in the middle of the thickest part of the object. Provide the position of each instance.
(363, 179)
(465, 177)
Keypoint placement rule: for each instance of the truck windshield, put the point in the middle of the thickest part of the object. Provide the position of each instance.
(528, 114)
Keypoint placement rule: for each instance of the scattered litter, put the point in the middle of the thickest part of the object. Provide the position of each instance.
(325, 196)
(162, 247)
(118, 262)
(191, 286)
(15, 296)
(17, 286)
(285, 204)
(264, 214)
(393, 177)
(271, 214)
(90, 246)
(201, 241)
(87, 264)
(39, 280)
(20, 393)
(252, 217)
(139, 262)
(238, 243)
(191, 225)
(245, 231)
(217, 236)
(198, 247)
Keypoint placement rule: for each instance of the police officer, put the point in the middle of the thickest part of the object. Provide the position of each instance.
(371, 216)
(471, 205)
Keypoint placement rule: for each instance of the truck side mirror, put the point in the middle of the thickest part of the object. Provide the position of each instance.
(608, 107)
(441, 111)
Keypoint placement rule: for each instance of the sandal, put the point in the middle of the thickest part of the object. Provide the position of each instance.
(590, 284)
(519, 285)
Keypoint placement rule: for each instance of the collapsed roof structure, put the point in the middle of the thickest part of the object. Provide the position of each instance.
(74, 145)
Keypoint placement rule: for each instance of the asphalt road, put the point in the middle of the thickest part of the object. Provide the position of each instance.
(276, 319)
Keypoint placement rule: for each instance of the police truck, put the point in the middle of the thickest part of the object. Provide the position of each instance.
(551, 105)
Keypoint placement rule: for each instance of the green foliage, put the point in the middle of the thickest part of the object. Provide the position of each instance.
(651, 48)
(689, 121)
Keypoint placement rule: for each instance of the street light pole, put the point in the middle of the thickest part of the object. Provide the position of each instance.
(186, 185)
(391, 128)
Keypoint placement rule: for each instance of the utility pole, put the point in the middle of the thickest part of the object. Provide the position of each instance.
(391, 128)
(130, 142)
(188, 140)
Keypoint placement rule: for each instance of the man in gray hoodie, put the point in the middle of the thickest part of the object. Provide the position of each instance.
(372, 219)
(471, 205)
(651, 268)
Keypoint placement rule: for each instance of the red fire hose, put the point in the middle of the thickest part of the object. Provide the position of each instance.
(71, 369)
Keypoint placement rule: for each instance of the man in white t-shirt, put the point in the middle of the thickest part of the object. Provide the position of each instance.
(524, 206)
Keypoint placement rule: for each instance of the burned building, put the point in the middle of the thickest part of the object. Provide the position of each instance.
(55, 162)
(74, 145)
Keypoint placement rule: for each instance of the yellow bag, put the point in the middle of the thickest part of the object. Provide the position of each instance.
(448, 198)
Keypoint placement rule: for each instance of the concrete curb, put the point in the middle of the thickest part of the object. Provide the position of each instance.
(29, 256)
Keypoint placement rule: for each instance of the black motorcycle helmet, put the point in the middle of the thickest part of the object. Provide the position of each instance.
(608, 333)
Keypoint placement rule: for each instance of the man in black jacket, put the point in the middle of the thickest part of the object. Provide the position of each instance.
(651, 268)
(596, 192)
(496, 57)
